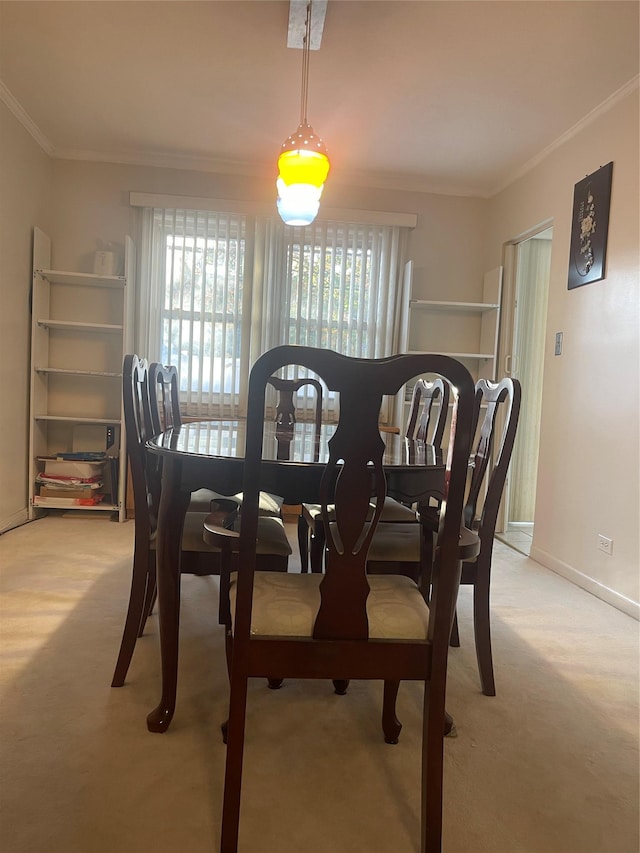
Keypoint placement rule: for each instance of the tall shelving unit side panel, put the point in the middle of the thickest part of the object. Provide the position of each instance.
(38, 396)
(490, 323)
(127, 347)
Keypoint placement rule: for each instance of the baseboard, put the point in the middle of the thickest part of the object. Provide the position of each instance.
(14, 520)
(610, 596)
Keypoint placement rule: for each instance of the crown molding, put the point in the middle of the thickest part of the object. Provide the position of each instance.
(14, 106)
(596, 113)
(378, 180)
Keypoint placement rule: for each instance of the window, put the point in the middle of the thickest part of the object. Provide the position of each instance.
(222, 288)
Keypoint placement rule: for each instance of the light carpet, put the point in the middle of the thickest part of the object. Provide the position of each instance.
(549, 765)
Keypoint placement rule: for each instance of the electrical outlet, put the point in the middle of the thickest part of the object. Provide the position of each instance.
(558, 350)
(605, 545)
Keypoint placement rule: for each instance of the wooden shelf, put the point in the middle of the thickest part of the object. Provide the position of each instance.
(83, 279)
(64, 371)
(445, 307)
(473, 355)
(53, 504)
(74, 326)
(77, 419)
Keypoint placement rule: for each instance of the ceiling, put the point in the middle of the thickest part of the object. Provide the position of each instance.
(450, 96)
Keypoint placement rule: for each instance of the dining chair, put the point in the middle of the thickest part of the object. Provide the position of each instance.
(197, 557)
(164, 397)
(398, 546)
(345, 624)
(286, 407)
(490, 461)
(428, 413)
(164, 390)
(423, 423)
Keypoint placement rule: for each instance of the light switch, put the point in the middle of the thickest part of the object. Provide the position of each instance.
(558, 350)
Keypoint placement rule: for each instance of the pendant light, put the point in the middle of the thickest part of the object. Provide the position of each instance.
(303, 163)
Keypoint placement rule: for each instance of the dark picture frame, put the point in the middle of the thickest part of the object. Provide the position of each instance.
(590, 227)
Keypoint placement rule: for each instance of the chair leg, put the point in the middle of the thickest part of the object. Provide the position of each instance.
(432, 768)
(233, 769)
(303, 543)
(340, 685)
(317, 548)
(482, 632)
(151, 594)
(454, 640)
(391, 725)
(136, 615)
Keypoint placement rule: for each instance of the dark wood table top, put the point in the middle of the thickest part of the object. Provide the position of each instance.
(211, 455)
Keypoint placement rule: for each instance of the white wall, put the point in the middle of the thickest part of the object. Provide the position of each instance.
(25, 177)
(588, 478)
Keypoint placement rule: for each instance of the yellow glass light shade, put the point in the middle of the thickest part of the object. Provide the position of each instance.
(303, 158)
(303, 167)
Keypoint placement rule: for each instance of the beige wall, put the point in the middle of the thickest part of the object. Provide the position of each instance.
(588, 479)
(25, 177)
(92, 203)
(588, 484)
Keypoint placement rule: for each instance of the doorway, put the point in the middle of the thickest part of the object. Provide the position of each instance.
(528, 267)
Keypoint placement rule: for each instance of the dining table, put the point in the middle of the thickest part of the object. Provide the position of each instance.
(210, 454)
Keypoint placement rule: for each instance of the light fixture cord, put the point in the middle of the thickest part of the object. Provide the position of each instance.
(306, 47)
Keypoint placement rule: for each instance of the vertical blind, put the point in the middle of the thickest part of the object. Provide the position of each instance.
(219, 289)
(196, 273)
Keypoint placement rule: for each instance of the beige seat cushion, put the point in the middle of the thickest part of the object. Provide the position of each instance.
(397, 543)
(287, 604)
(272, 536)
(392, 511)
(395, 512)
(201, 500)
(268, 504)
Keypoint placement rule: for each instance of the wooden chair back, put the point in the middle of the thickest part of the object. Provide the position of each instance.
(490, 464)
(491, 461)
(145, 477)
(423, 423)
(164, 396)
(338, 644)
(286, 411)
(139, 426)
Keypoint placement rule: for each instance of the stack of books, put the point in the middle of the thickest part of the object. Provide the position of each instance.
(71, 479)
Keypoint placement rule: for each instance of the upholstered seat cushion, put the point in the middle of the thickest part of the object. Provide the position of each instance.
(286, 604)
(395, 543)
(272, 536)
(392, 511)
(192, 534)
(204, 500)
(201, 500)
(268, 504)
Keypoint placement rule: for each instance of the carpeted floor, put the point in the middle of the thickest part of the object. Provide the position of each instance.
(550, 765)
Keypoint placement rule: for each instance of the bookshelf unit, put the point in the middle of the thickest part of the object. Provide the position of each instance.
(80, 332)
(467, 331)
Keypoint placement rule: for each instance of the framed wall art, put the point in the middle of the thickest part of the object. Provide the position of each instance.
(589, 227)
